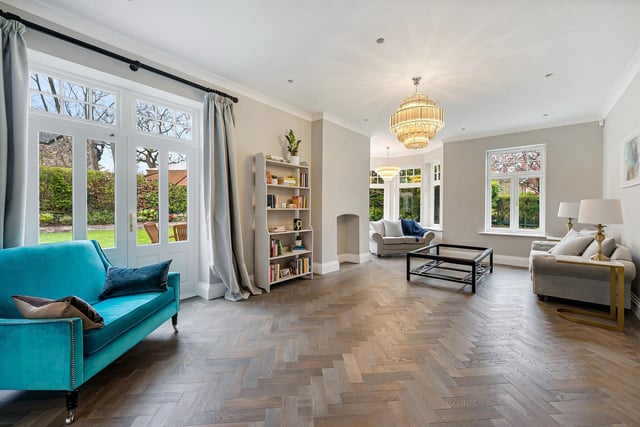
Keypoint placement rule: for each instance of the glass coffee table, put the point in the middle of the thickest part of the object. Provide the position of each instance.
(457, 263)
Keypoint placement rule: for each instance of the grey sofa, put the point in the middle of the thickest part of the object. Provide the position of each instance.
(577, 282)
(388, 241)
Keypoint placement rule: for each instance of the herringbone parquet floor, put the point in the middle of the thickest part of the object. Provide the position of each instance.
(362, 347)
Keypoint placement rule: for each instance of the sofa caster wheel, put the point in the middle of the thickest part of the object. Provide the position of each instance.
(71, 417)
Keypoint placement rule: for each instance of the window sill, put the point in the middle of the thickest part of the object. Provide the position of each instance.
(533, 236)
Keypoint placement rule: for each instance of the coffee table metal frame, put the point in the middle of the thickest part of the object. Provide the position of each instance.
(451, 262)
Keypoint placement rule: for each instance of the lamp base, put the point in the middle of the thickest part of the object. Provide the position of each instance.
(599, 237)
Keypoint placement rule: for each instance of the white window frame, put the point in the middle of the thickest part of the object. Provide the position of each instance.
(435, 180)
(514, 191)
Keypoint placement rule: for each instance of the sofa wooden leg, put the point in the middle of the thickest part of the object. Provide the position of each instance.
(174, 322)
(72, 404)
(541, 297)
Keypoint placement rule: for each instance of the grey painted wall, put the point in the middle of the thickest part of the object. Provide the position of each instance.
(622, 122)
(574, 172)
(342, 166)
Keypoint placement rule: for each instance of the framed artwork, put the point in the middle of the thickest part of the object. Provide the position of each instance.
(631, 161)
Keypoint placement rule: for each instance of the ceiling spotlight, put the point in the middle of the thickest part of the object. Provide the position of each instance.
(548, 75)
(545, 115)
(380, 40)
(290, 81)
(365, 120)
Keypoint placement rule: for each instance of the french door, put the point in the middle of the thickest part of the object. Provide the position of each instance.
(133, 193)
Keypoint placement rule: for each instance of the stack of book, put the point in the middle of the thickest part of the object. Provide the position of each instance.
(274, 272)
(272, 201)
(276, 248)
(304, 179)
(299, 266)
(299, 201)
(287, 180)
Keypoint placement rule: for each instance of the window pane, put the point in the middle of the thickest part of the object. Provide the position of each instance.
(43, 83)
(178, 179)
(42, 102)
(55, 192)
(410, 203)
(147, 195)
(75, 109)
(163, 120)
(103, 98)
(376, 203)
(436, 205)
(75, 91)
(101, 192)
(104, 115)
(502, 163)
(529, 203)
(533, 160)
(500, 203)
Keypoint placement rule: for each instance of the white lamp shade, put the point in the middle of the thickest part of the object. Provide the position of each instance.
(568, 210)
(600, 211)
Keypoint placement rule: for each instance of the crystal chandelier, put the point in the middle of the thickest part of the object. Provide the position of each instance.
(387, 173)
(417, 120)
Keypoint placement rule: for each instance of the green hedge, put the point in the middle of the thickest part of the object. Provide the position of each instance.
(56, 197)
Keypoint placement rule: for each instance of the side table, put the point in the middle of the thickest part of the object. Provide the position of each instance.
(616, 285)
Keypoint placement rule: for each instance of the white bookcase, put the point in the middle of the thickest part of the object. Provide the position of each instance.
(283, 194)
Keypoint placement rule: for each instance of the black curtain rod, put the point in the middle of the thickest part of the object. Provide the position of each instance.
(134, 65)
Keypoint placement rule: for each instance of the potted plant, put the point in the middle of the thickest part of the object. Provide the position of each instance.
(293, 145)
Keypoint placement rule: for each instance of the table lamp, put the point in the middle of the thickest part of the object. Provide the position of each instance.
(568, 210)
(600, 212)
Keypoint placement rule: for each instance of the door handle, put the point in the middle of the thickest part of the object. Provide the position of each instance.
(130, 222)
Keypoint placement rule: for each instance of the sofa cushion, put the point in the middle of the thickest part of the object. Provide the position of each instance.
(126, 281)
(574, 243)
(394, 241)
(608, 246)
(412, 239)
(392, 228)
(123, 313)
(67, 307)
(622, 253)
(377, 227)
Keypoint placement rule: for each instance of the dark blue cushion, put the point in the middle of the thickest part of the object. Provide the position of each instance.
(126, 281)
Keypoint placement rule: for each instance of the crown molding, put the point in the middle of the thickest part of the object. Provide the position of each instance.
(340, 122)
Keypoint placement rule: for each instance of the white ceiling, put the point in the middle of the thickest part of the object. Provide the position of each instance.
(483, 61)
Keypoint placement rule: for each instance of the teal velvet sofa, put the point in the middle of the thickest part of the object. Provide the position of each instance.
(55, 354)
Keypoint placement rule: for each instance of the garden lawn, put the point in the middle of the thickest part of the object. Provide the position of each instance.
(104, 237)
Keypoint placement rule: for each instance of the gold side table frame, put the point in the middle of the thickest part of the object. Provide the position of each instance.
(616, 311)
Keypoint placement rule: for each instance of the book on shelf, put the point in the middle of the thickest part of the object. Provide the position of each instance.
(276, 248)
(304, 179)
(287, 180)
(272, 201)
(298, 248)
(299, 266)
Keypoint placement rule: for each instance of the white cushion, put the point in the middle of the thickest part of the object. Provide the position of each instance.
(621, 253)
(377, 227)
(392, 228)
(571, 244)
(394, 241)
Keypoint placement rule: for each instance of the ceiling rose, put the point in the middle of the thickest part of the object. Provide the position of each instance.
(417, 120)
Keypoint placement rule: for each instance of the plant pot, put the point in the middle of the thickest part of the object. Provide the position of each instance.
(294, 160)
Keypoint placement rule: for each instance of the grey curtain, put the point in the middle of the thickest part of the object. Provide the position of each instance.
(14, 110)
(221, 204)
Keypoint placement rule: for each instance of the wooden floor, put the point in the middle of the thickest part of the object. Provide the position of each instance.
(362, 347)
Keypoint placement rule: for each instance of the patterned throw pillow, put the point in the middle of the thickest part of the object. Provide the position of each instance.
(71, 306)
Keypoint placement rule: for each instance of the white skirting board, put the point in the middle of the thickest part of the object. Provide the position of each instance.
(211, 290)
(354, 258)
(327, 267)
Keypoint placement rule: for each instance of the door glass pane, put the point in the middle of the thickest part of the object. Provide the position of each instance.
(410, 203)
(101, 192)
(177, 196)
(55, 192)
(529, 203)
(147, 204)
(436, 205)
(376, 203)
(500, 203)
